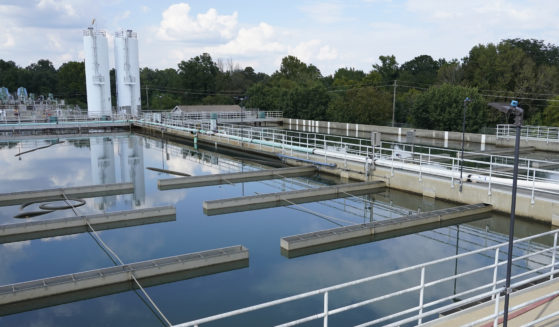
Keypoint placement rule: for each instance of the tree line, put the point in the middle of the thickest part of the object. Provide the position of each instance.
(424, 92)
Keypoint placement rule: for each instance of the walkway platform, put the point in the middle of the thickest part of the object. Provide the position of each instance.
(7, 199)
(303, 244)
(218, 179)
(15, 293)
(73, 225)
(518, 317)
(279, 199)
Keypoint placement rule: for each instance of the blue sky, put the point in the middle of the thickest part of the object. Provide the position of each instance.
(329, 34)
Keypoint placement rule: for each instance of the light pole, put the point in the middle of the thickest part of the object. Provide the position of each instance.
(463, 131)
(518, 115)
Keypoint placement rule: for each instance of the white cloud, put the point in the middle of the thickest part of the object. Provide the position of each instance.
(325, 12)
(490, 16)
(258, 39)
(61, 6)
(327, 53)
(124, 15)
(178, 25)
(313, 50)
(9, 41)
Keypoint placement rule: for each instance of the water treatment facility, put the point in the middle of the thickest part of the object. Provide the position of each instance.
(249, 218)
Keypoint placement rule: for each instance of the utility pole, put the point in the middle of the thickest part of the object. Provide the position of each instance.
(394, 102)
(147, 98)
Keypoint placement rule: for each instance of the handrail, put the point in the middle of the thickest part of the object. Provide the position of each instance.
(495, 289)
(529, 132)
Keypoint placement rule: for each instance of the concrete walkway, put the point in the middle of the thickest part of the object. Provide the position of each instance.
(516, 317)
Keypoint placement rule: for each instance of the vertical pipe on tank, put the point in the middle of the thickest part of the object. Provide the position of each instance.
(97, 78)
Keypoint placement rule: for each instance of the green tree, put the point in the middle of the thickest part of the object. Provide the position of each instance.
(198, 77)
(450, 73)
(551, 112)
(420, 70)
(43, 77)
(348, 77)
(388, 68)
(10, 75)
(296, 88)
(71, 83)
(295, 70)
(537, 50)
(440, 108)
(366, 105)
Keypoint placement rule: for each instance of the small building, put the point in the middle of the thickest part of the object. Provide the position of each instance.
(179, 110)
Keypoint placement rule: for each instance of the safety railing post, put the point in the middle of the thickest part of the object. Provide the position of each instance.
(490, 173)
(420, 158)
(325, 309)
(392, 169)
(496, 312)
(532, 201)
(553, 256)
(291, 144)
(325, 160)
(452, 174)
(495, 272)
(421, 292)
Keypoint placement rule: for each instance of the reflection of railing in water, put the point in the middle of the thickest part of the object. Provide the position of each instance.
(200, 157)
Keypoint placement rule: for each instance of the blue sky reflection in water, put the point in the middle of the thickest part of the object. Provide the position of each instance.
(269, 275)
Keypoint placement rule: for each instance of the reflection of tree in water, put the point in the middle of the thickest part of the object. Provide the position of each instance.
(79, 143)
(8, 145)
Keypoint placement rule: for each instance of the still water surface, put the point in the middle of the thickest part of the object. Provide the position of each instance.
(270, 275)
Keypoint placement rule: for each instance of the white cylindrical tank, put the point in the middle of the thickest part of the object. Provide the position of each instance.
(127, 73)
(97, 78)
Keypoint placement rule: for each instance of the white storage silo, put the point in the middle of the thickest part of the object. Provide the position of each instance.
(127, 73)
(97, 78)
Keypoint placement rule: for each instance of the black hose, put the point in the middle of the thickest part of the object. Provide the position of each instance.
(47, 206)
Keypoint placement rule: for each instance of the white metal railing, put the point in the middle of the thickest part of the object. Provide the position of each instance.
(542, 133)
(220, 116)
(10, 117)
(484, 168)
(489, 286)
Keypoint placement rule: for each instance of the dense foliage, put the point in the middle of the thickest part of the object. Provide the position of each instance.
(425, 92)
